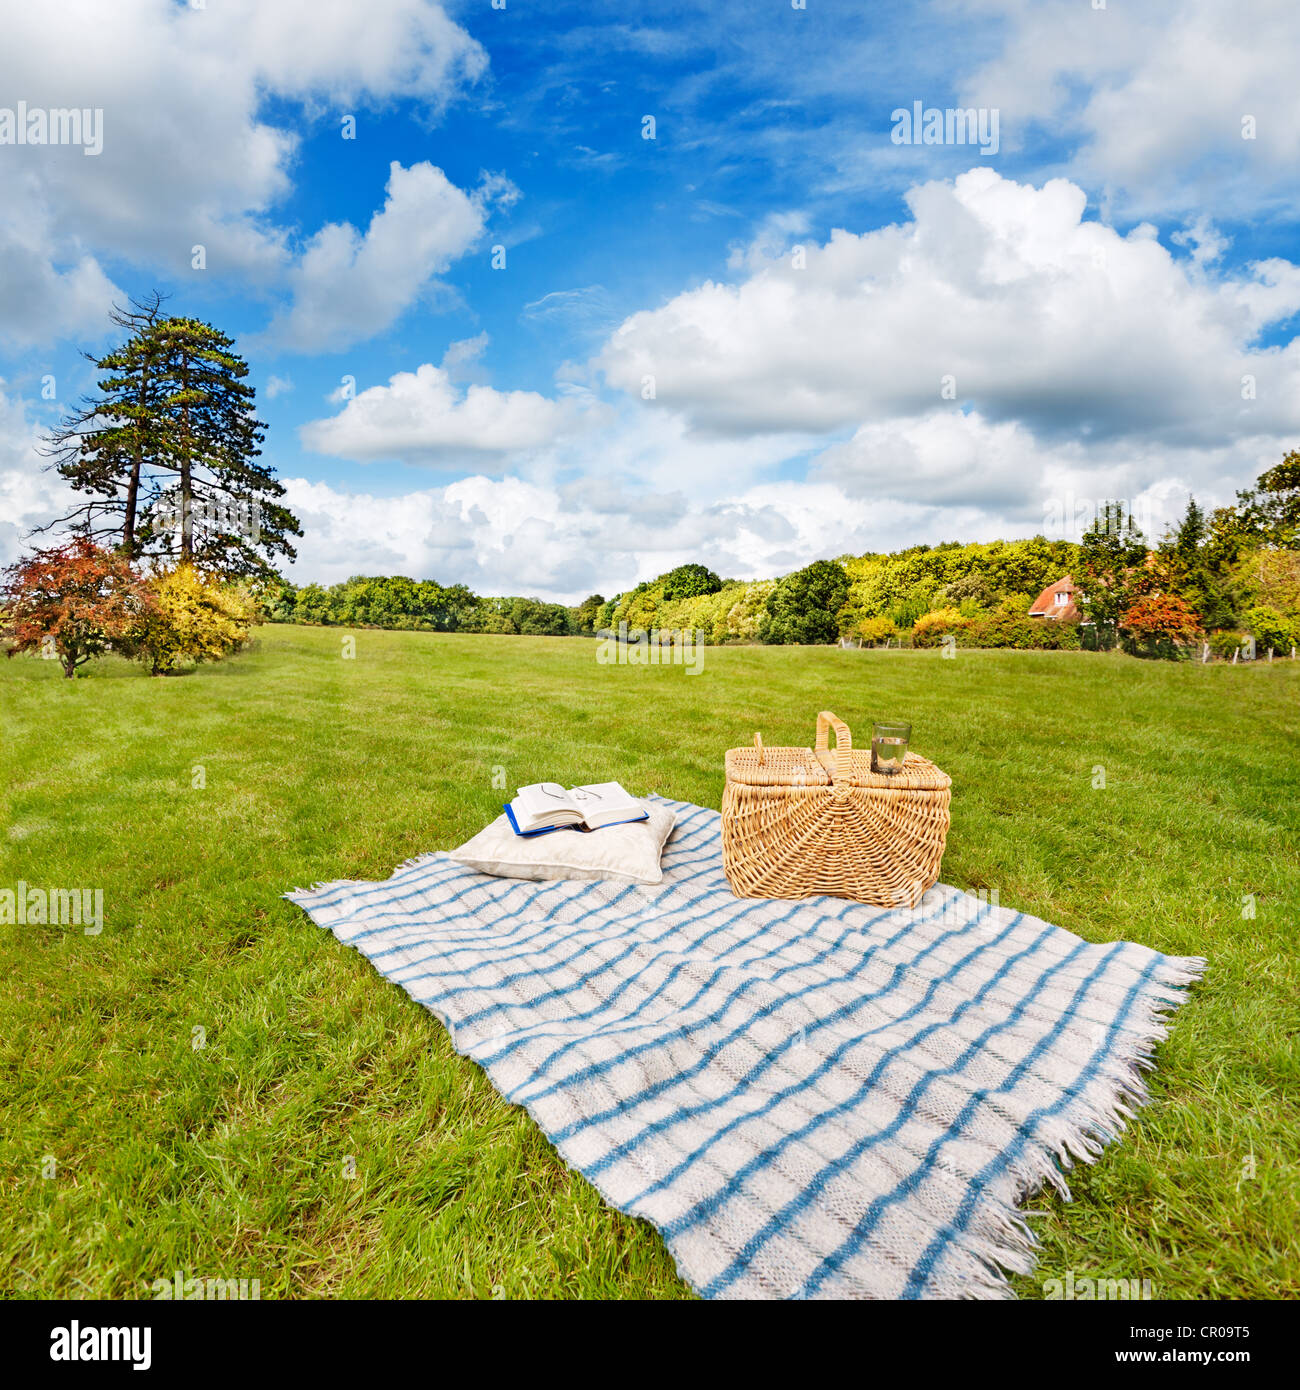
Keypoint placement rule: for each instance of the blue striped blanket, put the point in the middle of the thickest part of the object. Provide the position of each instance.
(807, 1099)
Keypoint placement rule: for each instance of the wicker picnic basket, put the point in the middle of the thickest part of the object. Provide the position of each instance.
(802, 821)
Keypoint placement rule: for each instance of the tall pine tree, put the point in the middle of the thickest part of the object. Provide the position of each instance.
(220, 509)
(104, 446)
(169, 452)
(1192, 567)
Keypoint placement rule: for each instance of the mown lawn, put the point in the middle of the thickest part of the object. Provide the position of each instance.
(232, 1159)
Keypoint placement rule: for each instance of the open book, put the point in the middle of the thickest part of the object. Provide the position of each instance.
(546, 806)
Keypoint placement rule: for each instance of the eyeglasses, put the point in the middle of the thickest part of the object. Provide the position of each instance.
(553, 789)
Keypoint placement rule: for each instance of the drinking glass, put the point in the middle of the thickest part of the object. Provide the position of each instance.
(889, 747)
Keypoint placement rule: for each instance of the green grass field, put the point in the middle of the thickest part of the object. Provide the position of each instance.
(232, 1159)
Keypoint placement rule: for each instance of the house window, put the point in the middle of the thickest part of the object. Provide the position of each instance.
(1062, 599)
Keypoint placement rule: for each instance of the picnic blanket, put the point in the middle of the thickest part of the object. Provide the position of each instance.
(807, 1099)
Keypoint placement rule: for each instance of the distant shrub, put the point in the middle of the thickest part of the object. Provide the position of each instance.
(1271, 629)
(1004, 627)
(1027, 634)
(277, 598)
(930, 628)
(874, 631)
(1098, 637)
(1049, 637)
(1225, 642)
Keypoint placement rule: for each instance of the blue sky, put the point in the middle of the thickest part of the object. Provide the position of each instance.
(854, 343)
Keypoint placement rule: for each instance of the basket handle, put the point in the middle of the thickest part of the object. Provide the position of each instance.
(758, 743)
(843, 769)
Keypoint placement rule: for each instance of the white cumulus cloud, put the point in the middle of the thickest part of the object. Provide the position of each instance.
(349, 286)
(1168, 103)
(424, 416)
(997, 295)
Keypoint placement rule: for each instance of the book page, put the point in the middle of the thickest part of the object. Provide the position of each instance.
(546, 802)
(603, 803)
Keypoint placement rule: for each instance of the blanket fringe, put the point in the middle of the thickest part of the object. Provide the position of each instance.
(294, 894)
(999, 1241)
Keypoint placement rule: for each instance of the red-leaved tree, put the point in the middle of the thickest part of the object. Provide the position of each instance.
(1160, 619)
(77, 598)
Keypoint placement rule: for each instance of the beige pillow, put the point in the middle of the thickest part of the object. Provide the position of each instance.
(625, 853)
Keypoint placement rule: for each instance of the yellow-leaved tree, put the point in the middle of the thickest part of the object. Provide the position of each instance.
(197, 618)
(930, 628)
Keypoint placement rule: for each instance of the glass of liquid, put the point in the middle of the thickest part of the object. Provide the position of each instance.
(889, 747)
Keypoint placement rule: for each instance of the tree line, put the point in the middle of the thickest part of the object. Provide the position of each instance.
(1224, 577)
(423, 605)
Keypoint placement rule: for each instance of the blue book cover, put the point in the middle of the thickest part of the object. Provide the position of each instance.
(551, 829)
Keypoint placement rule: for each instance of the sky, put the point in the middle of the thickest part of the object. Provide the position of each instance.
(547, 299)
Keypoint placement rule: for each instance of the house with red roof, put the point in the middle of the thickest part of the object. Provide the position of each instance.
(1058, 602)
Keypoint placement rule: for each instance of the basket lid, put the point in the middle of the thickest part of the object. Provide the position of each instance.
(802, 767)
(776, 767)
(760, 766)
(918, 775)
